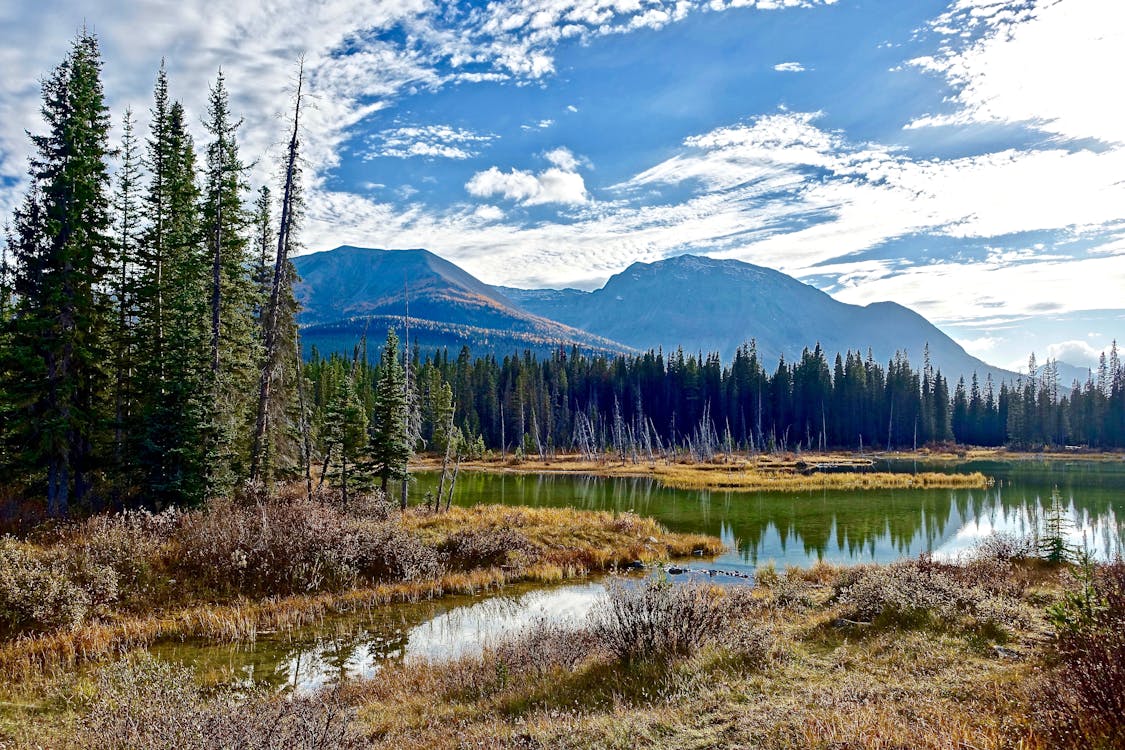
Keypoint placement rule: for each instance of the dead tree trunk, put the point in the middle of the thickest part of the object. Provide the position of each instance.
(279, 278)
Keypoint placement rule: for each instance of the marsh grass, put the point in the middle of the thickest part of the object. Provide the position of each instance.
(741, 474)
(230, 571)
(764, 674)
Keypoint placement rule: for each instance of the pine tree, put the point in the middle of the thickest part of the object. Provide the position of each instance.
(272, 341)
(346, 425)
(233, 297)
(56, 353)
(172, 314)
(123, 284)
(390, 443)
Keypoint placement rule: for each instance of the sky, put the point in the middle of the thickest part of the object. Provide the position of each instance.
(965, 158)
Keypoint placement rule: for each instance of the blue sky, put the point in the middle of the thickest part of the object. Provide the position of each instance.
(965, 158)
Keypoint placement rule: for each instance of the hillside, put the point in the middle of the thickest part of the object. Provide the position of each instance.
(340, 289)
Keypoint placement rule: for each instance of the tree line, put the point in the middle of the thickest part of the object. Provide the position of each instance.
(656, 403)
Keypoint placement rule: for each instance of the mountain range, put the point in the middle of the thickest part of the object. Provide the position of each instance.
(697, 303)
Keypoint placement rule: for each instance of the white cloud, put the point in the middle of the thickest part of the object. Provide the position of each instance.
(552, 185)
(980, 346)
(429, 141)
(789, 67)
(354, 68)
(1037, 61)
(571, 108)
(1075, 352)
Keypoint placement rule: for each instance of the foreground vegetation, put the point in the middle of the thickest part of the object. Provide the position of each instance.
(91, 590)
(748, 473)
(999, 651)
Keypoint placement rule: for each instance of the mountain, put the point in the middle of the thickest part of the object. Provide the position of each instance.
(348, 290)
(704, 304)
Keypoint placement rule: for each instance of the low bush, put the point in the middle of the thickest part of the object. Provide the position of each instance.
(1006, 547)
(145, 703)
(386, 551)
(44, 589)
(544, 647)
(1086, 691)
(920, 592)
(273, 546)
(491, 547)
(655, 618)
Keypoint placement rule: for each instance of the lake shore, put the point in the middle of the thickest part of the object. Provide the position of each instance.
(737, 473)
(158, 593)
(916, 654)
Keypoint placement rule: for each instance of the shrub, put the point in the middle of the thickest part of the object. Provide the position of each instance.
(143, 702)
(1086, 691)
(386, 551)
(276, 546)
(1004, 547)
(655, 618)
(544, 647)
(492, 547)
(40, 590)
(131, 543)
(919, 592)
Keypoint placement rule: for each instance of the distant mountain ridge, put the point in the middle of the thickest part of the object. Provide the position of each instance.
(705, 304)
(348, 290)
(700, 304)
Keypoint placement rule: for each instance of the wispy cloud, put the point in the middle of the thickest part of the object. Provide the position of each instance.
(789, 67)
(1039, 62)
(433, 141)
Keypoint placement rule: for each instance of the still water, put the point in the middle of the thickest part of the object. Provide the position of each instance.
(842, 526)
(784, 528)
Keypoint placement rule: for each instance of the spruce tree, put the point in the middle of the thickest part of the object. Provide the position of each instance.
(127, 235)
(172, 314)
(233, 297)
(56, 352)
(390, 443)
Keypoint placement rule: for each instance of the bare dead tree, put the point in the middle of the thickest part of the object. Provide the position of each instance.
(279, 278)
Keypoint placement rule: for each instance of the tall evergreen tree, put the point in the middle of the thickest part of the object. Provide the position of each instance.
(172, 314)
(233, 297)
(390, 442)
(127, 233)
(56, 352)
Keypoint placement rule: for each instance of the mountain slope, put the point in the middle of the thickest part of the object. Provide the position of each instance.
(706, 305)
(341, 289)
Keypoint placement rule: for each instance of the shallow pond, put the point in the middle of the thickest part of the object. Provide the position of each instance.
(785, 528)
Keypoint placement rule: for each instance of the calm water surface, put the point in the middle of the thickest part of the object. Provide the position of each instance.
(842, 526)
(785, 528)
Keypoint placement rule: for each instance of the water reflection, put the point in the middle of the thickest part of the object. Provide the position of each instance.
(794, 529)
(841, 526)
(305, 661)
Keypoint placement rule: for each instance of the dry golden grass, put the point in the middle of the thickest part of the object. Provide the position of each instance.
(821, 686)
(971, 453)
(739, 473)
(567, 544)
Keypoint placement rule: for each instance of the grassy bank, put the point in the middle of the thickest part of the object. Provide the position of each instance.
(95, 590)
(736, 473)
(995, 653)
(970, 453)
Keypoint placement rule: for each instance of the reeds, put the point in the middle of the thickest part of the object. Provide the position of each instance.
(742, 474)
